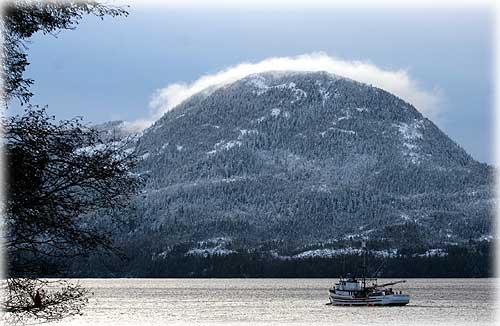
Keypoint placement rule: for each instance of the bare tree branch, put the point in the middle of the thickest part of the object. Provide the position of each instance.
(64, 185)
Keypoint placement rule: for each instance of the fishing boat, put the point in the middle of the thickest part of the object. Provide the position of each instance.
(351, 291)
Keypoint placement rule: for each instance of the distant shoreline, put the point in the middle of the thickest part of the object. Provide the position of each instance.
(477, 263)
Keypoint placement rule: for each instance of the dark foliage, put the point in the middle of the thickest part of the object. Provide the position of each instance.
(60, 177)
(54, 185)
(59, 298)
(475, 260)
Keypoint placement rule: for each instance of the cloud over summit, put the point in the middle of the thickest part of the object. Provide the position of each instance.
(396, 82)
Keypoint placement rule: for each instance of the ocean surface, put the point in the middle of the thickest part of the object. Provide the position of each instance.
(278, 302)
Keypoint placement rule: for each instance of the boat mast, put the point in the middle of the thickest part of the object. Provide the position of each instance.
(363, 247)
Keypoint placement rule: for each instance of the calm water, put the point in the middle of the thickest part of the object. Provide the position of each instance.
(278, 301)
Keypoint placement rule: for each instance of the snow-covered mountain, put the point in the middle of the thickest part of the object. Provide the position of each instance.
(287, 160)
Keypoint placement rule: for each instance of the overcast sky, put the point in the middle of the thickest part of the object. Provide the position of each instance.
(112, 69)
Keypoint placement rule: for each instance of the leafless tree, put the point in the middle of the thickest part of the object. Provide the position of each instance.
(63, 182)
(58, 175)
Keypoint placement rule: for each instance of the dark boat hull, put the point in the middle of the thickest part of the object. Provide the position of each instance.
(385, 300)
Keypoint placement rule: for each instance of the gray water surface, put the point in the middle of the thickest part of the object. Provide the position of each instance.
(278, 302)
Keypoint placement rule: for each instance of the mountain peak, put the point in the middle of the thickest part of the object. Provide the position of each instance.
(276, 76)
(304, 157)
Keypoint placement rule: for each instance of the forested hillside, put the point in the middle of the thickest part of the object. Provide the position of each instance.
(286, 163)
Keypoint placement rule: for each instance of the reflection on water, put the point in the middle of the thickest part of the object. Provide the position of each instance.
(278, 301)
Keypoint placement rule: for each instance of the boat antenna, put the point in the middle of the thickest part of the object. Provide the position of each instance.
(343, 265)
(363, 247)
(376, 274)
